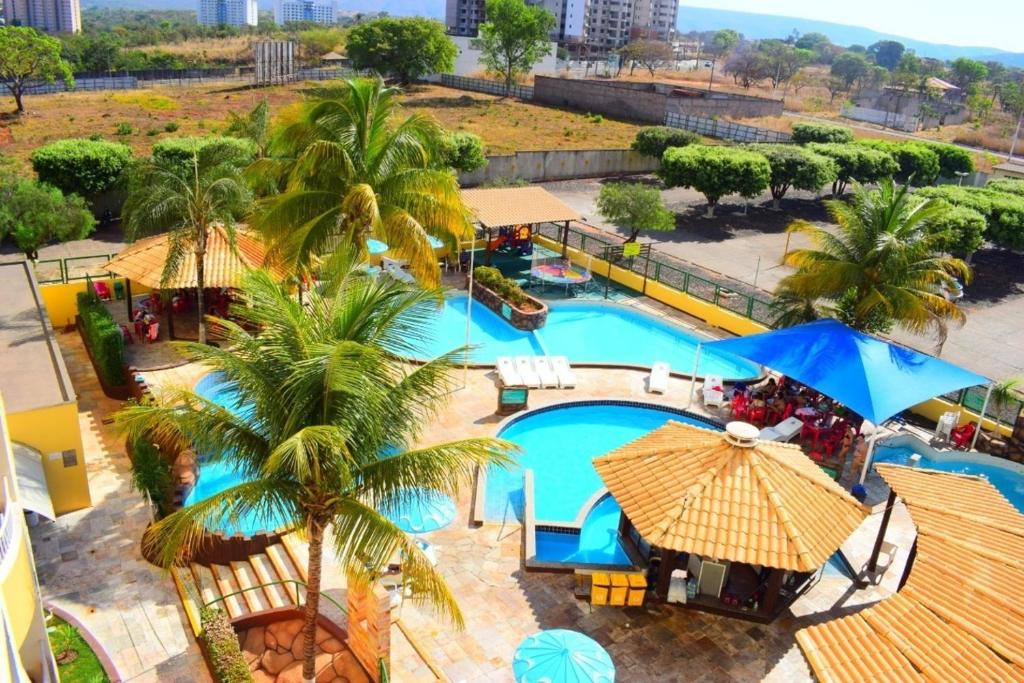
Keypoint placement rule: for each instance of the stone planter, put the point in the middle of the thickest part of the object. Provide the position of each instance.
(518, 318)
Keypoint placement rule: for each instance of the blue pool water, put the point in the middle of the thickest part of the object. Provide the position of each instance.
(597, 542)
(1010, 484)
(586, 332)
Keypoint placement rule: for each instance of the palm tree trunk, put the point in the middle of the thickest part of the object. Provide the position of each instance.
(316, 538)
(201, 283)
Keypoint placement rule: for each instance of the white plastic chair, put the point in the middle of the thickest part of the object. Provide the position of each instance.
(713, 391)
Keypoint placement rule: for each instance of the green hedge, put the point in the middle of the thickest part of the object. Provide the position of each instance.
(507, 288)
(916, 161)
(221, 643)
(654, 140)
(1003, 211)
(103, 336)
(80, 166)
(953, 159)
(1008, 185)
(180, 150)
(820, 132)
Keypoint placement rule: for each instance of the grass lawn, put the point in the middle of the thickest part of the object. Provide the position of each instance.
(86, 667)
(505, 125)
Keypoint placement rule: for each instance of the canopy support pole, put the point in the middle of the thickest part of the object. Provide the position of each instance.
(693, 375)
(469, 310)
(984, 407)
(873, 562)
(128, 298)
(871, 451)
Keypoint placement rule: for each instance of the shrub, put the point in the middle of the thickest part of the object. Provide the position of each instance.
(151, 473)
(1008, 185)
(960, 230)
(123, 128)
(463, 152)
(856, 163)
(804, 133)
(82, 167)
(103, 337)
(716, 171)
(1003, 212)
(952, 158)
(221, 643)
(796, 167)
(180, 150)
(507, 288)
(171, 126)
(915, 160)
(967, 197)
(654, 140)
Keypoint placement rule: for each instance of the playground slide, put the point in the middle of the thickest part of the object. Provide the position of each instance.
(496, 242)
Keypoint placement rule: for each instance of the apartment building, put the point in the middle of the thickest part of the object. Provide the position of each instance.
(228, 12)
(317, 11)
(654, 19)
(50, 16)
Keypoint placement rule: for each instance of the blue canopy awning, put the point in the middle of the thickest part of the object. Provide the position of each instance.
(874, 378)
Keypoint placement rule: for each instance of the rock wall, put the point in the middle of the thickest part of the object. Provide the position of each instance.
(519, 319)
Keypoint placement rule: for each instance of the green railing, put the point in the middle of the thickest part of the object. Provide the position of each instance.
(71, 269)
(973, 398)
(297, 596)
(730, 295)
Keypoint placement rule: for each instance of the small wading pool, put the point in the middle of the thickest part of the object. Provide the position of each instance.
(585, 332)
(559, 444)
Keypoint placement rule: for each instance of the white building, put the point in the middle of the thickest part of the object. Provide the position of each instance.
(318, 11)
(49, 16)
(228, 12)
(467, 61)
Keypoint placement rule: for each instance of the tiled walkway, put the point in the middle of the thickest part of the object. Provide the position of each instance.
(89, 561)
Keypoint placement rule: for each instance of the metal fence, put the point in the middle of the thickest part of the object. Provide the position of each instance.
(728, 294)
(524, 92)
(71, 269)
(973, 399)
(725, 130)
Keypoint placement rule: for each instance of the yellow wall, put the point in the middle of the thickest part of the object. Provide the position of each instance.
(727, 320)
(22, 601)
(52, 430)
(61, 299)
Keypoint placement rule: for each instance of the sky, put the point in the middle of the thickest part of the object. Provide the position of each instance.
(984, 23)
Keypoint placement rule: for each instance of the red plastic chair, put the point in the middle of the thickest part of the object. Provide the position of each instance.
(153, 333)
(127, 335)
(738, 407)
(961, 436)
(102, 291)
(756, 415)
(155, 304)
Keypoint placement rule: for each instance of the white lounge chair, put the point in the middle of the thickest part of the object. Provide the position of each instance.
(396, 270)
(658, 380)
(548, 378)
(507, 372)
(524, 366)
(714, 391)
(566, 377)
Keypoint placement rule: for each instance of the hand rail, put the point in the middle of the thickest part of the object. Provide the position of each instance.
(298, 601)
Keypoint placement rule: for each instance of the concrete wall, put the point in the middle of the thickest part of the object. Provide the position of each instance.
(561, 165)
(467, 61)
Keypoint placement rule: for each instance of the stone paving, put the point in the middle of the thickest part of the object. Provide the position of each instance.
(89, 561)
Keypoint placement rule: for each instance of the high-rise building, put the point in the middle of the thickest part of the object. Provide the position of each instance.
(51, 16)
(654, 19)
(317, 11)
(228, 12)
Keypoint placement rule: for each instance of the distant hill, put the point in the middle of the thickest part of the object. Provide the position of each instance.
(429, 8)
(753, 25)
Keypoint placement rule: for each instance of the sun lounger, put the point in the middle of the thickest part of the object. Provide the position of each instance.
(658, 380)
(714, 391)
(566, 377)
(507, 372)
(548, 378)
(524, 366)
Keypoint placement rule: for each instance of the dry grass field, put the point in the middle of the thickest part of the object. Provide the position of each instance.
(231, 50)
(505, 125)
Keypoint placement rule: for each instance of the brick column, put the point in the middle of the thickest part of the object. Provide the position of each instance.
(369, 625)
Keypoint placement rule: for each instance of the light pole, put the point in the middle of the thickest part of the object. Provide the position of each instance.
(469, 310)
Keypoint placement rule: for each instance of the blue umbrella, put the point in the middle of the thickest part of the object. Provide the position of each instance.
(561, 656)
(375, 246)
(422, 512)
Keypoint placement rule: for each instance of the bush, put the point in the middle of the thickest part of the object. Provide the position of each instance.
(507, 288)
(151, 474)
(960, 230)
(221, 643)
(716, 171)
(180, 150)
(796, 167)
(463, 152)
(83, 167)
(103, 337)
(915, 160)
(1008, 185)
(804, 133)
(654, 140)
(171, 127)
(856, 163)
(952, 158)
(123, 128)
(1003, 212)
(967, 197)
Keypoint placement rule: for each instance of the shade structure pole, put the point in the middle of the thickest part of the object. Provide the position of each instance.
(867, 458)
(984, 407)
(693, 375)
(883, 527)
(469, 311)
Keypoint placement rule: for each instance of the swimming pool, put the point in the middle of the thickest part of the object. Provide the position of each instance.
(585, 332)
(1009, 482)
(559, 444)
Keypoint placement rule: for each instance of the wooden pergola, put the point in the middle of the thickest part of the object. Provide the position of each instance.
(503, 207)
(746, 519)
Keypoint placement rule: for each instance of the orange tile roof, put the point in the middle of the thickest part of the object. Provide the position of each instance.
(959, 617)
(504, 206)
(690, 489)
(143, 261)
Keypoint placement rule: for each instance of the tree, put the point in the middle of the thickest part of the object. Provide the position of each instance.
(348, 167)
(835, 86)
(960, 231)
(783, 61)
(189, 201)
(968, 72)
(83, 167)
(253, 126)
(97, 52)
(804, 133)
(462, 152)
(409, 47)
(721, 45)
(35, 214)
(26, 56)
(748, 66)
(817, 43)
(325, 441)
(979, 106)
(916, 162)
(856, 163)
(887, 53)
(791, 308)
(650, 54)
(881, 263)
(849, 67)
(181, 151)
(654, 140)
(716, 172)
(636, 207)
(795, 167)
(514, 38)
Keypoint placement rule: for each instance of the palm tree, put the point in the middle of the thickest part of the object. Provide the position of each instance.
(325, 396)
(188, 201)
(253, 125)
(792, 308)
(881, 264)
(346, 167)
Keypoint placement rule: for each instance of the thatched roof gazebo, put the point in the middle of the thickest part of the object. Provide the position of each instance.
(750, 522)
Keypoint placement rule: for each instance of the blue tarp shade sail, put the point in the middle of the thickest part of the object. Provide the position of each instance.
(423, 512)
(874, 378)
(561, 656)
